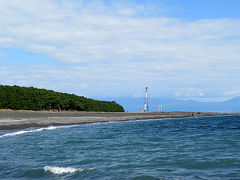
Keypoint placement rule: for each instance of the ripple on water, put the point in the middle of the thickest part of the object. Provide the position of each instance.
(188, 148)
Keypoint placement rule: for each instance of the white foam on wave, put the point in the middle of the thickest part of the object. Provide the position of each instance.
(63, 170)
(29, 131)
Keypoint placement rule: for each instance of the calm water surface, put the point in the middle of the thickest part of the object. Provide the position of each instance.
(187, 148)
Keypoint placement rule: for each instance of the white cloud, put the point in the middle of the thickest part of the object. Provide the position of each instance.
(127, 12)
(124, 49)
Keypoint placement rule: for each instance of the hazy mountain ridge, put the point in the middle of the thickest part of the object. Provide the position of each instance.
(135, 104)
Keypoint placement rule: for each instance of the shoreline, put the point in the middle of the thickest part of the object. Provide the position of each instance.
(10, 120)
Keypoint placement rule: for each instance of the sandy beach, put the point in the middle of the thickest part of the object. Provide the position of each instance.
(25, 119)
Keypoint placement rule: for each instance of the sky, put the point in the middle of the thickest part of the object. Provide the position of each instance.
(103, 49)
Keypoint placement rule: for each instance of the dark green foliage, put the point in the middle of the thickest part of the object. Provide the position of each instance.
(23, 98)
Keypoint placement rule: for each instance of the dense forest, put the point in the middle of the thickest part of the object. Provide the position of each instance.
(30, 98)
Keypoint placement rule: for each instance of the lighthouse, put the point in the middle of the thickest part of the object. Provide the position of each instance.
(146, 100)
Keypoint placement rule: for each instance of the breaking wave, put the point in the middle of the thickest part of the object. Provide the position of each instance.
(28, 131)
(64, 170)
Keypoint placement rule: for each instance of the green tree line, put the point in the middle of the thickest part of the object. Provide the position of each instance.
(30, 98)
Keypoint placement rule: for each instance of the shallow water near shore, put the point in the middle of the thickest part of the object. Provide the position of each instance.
(184, 148)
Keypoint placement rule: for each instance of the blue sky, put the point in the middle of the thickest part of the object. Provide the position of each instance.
(183, 49)
(203, 9)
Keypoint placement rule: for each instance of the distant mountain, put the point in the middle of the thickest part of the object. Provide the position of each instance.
(135, 104)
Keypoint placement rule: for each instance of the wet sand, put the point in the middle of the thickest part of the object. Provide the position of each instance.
(25, 119)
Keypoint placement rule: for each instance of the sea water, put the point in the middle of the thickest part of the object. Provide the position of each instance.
(184, 148)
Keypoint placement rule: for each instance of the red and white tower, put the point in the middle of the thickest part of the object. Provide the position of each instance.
(146, 101)
(160, 108)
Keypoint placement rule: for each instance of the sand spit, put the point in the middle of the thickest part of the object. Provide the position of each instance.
(25, 119)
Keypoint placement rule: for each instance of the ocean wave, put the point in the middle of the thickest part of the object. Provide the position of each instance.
(28, 131)
(64, 170)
